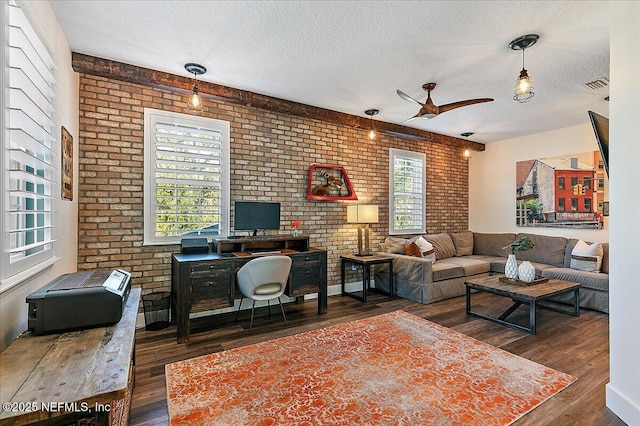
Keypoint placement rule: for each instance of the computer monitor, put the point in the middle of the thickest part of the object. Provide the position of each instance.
(256, 215)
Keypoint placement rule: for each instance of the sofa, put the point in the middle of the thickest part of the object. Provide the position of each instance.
(456, 257)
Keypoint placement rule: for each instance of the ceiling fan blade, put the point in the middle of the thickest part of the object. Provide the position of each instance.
(412, 118)
(407, 97)
(460, 104)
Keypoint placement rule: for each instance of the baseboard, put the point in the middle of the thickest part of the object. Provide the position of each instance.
(622, 406)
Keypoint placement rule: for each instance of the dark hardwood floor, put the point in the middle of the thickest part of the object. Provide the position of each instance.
(577, 346)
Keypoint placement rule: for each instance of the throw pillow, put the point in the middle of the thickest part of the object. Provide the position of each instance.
(442, 244)
(426, 248)
(412, 249)
(585, 257)
(463, 241)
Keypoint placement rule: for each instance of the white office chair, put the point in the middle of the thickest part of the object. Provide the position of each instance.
(264, 278)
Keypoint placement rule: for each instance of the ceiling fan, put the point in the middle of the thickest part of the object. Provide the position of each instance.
(429, 110)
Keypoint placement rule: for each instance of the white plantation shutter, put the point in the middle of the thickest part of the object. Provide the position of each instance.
(186, 175)
(407, 187)
(31, 144)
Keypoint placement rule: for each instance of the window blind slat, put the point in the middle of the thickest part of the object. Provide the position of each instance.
(19, 139)
(19, 120)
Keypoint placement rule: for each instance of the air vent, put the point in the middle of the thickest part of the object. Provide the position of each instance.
(598, 84)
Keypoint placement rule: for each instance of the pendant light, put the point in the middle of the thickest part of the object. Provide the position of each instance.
(467, 153)
(371, 113)
(195, 100)
(524, 87)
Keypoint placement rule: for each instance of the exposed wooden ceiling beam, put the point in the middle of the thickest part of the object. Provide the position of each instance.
(125, 72)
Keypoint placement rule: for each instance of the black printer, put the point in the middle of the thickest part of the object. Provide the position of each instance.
(79, 300)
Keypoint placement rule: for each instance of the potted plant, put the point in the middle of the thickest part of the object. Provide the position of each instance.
(511, 269)
(521, 244)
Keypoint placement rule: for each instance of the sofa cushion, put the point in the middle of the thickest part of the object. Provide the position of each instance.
(497, 265)
(547, 250)
(591, 280)
(442, 244)
(444, 271)
(393, 245)
(470, 266)
(412, 249)
(463, 241)
(605, 258)
(491, 244)
(586, 257)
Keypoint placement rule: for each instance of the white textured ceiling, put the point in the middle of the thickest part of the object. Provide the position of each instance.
(350, 56)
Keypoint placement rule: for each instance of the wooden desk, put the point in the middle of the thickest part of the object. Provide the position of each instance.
(71, 375)
(205, 282)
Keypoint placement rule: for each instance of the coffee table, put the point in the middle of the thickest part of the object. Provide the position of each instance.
(532, 295)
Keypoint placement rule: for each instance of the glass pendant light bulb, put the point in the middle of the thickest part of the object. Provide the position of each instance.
(371, 113)
(466, 153)
(195, 102)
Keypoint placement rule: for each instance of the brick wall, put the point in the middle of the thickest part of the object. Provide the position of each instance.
(270, 158)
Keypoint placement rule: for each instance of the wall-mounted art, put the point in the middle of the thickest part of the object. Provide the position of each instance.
(562, 192)
(329, 183)
(67, 164)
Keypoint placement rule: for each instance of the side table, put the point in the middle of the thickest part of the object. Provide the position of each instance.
(366, 262)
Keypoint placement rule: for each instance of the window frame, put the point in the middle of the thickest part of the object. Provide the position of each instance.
(224, 127)
(416, 156)
(561, 204)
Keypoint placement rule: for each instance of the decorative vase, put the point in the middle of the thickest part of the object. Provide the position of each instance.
(295, 232)
(526, 272)
(511, 267)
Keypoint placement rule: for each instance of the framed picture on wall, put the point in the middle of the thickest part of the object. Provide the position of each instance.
(67, 165)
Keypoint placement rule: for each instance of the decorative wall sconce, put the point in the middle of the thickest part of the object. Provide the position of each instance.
(195, 101)
(363, 214)
(371, 113)
(524, 86)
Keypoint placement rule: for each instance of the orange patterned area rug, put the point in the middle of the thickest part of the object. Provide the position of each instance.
(391, 369)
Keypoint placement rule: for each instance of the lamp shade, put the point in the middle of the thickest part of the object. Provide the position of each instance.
(362, 213)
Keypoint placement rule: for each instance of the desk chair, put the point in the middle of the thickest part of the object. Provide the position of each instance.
(263, 278)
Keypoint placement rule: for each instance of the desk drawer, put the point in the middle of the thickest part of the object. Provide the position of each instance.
(209, 268)
(304, 279)
(299, 260)
(212, 292)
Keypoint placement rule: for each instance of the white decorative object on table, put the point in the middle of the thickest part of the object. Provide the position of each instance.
(526, 272)
(511, 267)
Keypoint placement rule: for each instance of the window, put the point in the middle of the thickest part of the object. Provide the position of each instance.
(574, 181)
(574, 204)
(587, 204)
(561, 206)
(587, 183)
(407, 188)
(29, 150)
(186, 174)
(561, 182)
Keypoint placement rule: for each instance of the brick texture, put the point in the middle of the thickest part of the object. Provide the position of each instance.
(270, 158)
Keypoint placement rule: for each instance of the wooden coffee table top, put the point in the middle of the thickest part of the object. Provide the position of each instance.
(491, 284)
